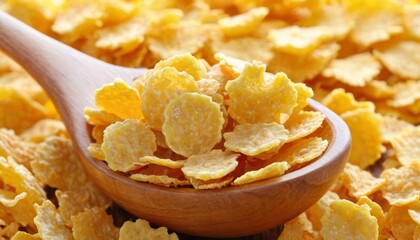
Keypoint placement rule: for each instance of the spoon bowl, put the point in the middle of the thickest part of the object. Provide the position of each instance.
(70, 78)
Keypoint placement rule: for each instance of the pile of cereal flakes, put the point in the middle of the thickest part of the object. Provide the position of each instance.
(361, 58)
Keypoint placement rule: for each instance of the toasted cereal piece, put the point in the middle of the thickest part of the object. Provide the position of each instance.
(98, 133)
(85, 225)
(405, 93)
(401, 58)
(360, 182)
(255, 97)
(400, 222)
(211, 184)
(160, 161)
(169, 40)
(392, 126)
(256, 138)
(212, 165)
(303, 123)
(141, 230)
(11, 145)
(120, 99)
(124, 37)
(301, 151)
(20, 235)
(17, 111)
(298, 228)
(208, 86)
(99, 117)
(243, 24)
(78, 20)
(49, 222)
(163, 86)
(303, 94)
(184, 62)
(125, 142)
(365, 128)
(348, 219)
(74, 202)
(193, 124)
(318, 210)
(406, 145)
(10, 199)
(21, 179)
(355, 70)
(270, 171)
(162, 180)
(258, 49)
(340, 102)
(400, 188)
(298, 40)
(376, 26)
(412, 21)
(306, 67)
(95, 150)
(44, 129)
(375, 210)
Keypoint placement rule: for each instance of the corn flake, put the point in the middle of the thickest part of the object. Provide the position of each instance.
(303, 94)
(298, 228)
(163, 86)
(401, 58)
(49, 223)
(20, 235)
(11, 145)
(401, 224)
(341, 101)
(406, 145)
(376, 27)
(43, 129)
(141, 230)
(17, 111)
(365, 128)
(124, 37)
(184, 63)
(177, 38)
(298, 40)
(257, 138)
(346, 220)
(255, 97)
(85, 225)
(412, 21)
(303, 123)
(355, 70)
(402, 184)
(318, 210)
(95, 150)
(243, 24)
(301, 151)
(360, 182)
(125, 142)
(212, 165)
(406, 94)
(10, 199)
(193, 124)
(160, 161)
(392, 126)
(302, 68)
(270, 171)
(162, 180)
(120, 99)
(211, 184)
(99, 117)
(375, 210)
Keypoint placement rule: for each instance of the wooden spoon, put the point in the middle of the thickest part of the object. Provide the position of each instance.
(70, 79)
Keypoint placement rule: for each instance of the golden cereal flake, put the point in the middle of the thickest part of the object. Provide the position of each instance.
(377, 26)
(405, 94)
(270, 171)
(303, 94)
(85, 225)
(347, 220)
(392, 126)
(125, 142)
(340, 101)
(400, 222)
(256, 138)
(162, 180)
(141, 230)
(355, 70)
(163, 86)
(298, 228)
(401, 58)
(192, 124)
(360, 182)
(303, 123)
(120, 99)
(407, 145)
(243, 24)
(255, 97)
(402, 184)
(49, 223)
(365, 128)
(160, 161)
(184, 62)
(212, 165)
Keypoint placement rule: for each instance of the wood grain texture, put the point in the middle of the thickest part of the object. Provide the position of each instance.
(70, 78)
